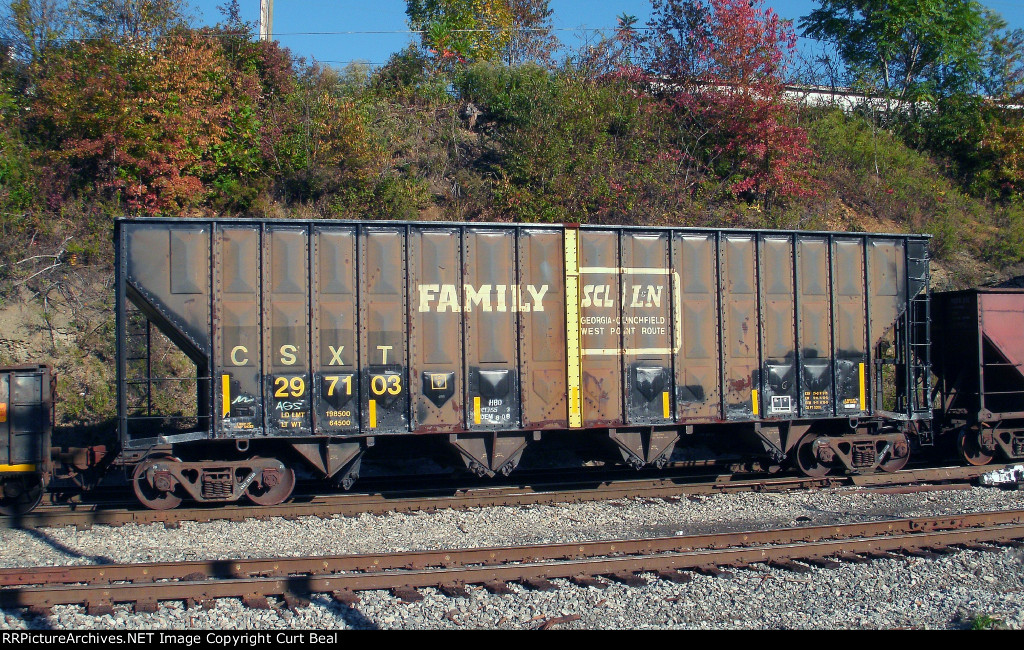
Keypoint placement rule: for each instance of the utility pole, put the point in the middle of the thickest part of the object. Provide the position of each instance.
(266, 20)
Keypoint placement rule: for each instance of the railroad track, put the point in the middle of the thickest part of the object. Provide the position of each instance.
(85, 516)
(295, 579)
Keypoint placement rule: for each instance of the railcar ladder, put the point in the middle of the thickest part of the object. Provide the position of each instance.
(139, 347)
(918, 350)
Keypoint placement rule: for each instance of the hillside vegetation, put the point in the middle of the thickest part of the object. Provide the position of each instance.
(672, 125)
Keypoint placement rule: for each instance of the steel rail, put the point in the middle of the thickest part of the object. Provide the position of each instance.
(85, 516)
(490, 555)
(276, 576)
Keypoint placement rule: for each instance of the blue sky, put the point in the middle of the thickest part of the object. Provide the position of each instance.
(340, 31)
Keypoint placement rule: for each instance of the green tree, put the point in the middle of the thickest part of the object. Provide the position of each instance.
(1003, 74)
(531, 38)
(611, 54)
(675, 33)
(131, 21)
(140, 124)
(28, 27)
(478, 30)
(909, 51)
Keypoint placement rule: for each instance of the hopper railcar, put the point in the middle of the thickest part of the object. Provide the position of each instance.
(978, 341)
(311, 340)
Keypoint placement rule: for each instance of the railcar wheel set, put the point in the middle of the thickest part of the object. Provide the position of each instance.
(302, 344)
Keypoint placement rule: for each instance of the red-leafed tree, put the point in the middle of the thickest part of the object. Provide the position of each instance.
(722, 63)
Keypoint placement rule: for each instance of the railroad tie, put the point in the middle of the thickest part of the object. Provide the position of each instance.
(588, 581)
(551, 622)
(145, 606)
(920, 553)
(408, 594)
(539, 584)
(789, 565)
(712, 571)
(345, 597)
(678, 577)
(99, 608)
(294, 602)
(40, 611)
(450, 615)
(629, 579)
(853, 558)
(823, 562)
(882, 555)
(197, 602)
(499, 588)
(255, 601)
(453, 590)
(974, 546)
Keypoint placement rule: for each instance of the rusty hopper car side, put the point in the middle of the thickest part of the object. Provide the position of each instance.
(978, 350)
(316, 338)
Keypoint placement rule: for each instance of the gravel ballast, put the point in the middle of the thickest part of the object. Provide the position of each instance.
(908, 592)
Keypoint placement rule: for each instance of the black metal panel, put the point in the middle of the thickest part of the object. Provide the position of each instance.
(814, 326)
(740, 327)
(435, 328)
(334, 332)
(648, 287)
(383, 319)
(490, 313)
(27, 417)
(168, 269)
(697, 362)
(285, 310)
(237, 330)
(779, 379)
(600, 328)
(850, 326)
(542, 314)
(26, 422)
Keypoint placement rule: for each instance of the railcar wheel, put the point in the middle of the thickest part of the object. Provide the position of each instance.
(899, 454)
(807, 457)
(968, 443)
(149, 494)
(19, 496)
(273, 487)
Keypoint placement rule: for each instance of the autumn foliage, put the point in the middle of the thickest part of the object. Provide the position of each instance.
(722, 63)
(197, 119)
(144, 125)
